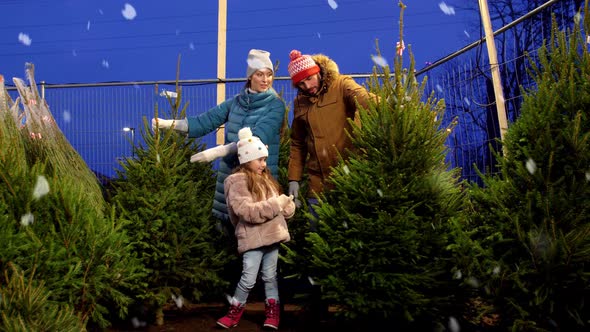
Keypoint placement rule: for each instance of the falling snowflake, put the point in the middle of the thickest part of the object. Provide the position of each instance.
(311, 281)
(27, 219)
(454, 324)
(587, 176)
(74, 53)
(439, 88)
(346, 170)
(466, 34)
(458, 275)
(379, 192)
(191, 46)
(496, 270)
(319, 35)
(67, 116)
(128, 12)
(170, 94)
(41, 187)
(333, 4)
(137, 323)
(88, 26)
(531, 166)
(24, 39)
(466, 100)
(587, 39)
(100, 11)
(379, 60)
(179, 300)
(448, 10)
(105, 63)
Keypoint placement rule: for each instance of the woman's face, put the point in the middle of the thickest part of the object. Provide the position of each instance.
(257, 165)
(261, 80)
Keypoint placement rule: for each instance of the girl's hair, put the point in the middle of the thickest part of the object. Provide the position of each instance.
(261, 186)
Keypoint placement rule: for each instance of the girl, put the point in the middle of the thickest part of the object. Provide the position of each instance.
(258, 212)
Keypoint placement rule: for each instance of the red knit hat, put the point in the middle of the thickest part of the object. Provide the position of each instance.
(301, 66)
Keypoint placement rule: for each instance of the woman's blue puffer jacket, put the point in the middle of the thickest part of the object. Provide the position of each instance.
(263, 112)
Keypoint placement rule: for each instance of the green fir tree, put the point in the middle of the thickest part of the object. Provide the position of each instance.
(381, 252)
(26, 306)
(54, 226)
(533, 218)
(168, 203)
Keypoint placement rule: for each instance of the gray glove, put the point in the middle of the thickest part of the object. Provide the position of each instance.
(180, 125)
(294, 191)
(214, 153)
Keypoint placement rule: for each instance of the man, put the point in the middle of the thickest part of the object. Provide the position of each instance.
(325, 102)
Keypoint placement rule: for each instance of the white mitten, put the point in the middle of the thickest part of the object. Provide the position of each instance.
(214, 153)
(179, 125)
(284, 200)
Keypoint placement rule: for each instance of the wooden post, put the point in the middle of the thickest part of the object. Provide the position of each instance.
(494, 67)
(221, 58)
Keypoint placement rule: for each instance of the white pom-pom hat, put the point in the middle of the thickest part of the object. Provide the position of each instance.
(250, 147)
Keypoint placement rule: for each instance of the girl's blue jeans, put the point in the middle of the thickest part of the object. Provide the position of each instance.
(263, 260)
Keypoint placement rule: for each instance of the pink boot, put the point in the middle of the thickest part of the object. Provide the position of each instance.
(232, 318)
(273, 313)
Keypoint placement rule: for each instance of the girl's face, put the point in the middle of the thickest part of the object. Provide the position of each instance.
(257, 165)
(261, 80)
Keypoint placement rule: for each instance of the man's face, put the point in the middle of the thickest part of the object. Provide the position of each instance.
(310, 85)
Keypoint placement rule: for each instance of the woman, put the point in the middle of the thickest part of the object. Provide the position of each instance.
(257, 106)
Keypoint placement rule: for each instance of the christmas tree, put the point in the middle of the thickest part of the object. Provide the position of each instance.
(168, 203)
(533, 218)
(55, 227)
(26, 307)
(381, 252)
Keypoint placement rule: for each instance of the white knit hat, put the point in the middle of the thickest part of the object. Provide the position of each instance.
(258, 59)
(250, 147)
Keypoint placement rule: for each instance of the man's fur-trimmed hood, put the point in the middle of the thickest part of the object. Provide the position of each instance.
(328, 68)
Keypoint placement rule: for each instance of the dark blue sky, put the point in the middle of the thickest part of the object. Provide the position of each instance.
(72, 41)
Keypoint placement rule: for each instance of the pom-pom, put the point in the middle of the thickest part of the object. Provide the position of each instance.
(244, 133)
(294, 54)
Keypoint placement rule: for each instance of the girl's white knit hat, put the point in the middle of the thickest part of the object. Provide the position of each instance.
(250, 147)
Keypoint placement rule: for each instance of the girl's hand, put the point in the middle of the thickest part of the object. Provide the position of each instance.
(284, 201)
